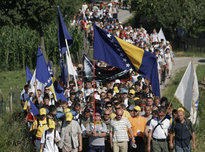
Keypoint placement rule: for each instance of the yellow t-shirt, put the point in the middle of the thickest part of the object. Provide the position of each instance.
(41, 127)
(138, 125)
(126, 114)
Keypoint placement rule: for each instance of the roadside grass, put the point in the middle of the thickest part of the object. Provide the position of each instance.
(14, 134)
(11, 79)
(169, 93)
(179, 53)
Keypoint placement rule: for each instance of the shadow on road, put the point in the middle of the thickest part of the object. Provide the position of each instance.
(201, 60)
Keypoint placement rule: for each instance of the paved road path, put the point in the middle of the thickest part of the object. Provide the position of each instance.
(124, 15)
(181, 62)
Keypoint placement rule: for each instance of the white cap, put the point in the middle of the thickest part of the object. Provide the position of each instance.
(117, 81)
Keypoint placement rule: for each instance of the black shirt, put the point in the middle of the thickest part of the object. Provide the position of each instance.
(183, 132)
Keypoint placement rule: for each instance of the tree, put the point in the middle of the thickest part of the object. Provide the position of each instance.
(187, 14)
(36, 14)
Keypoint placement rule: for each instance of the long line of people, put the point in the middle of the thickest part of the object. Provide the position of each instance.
(116, 116)
(125, 117)
(105, 16)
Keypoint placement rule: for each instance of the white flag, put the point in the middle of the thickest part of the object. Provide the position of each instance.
(38, 83)
(161, 35)
(71, 70)
(195, 102)
(187, 92)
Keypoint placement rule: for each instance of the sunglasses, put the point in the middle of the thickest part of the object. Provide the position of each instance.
(119, 115)
(106, 114)
(108, 106)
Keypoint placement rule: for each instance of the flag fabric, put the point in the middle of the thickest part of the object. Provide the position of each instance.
(161, 35)
(59, 91)
(28, 74)
(50, 70)
(42, 73)
(69, 65)
(123, 55)
(187, 92)
(104, 74)
(39, 85)
(34, 109)
(64, 73)
(63, 34)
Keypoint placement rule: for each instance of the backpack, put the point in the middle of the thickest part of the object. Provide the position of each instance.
(188, 125)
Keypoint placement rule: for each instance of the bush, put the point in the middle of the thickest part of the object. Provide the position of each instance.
(14, 134)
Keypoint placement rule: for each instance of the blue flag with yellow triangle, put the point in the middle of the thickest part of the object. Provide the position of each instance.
(121, 54)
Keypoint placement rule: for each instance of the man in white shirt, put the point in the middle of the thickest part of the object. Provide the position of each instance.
(118, 132)
(84, 7)
(158, 132)
(50, 139)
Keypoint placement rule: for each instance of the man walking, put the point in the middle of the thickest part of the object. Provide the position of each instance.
(138, 127)
(97, 134)
(158, 132)
(71, 138)
(184, 132)
(118, 132)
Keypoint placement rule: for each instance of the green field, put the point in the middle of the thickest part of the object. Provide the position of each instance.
(169, 93)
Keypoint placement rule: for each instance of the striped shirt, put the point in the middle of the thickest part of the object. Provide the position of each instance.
(119, 129)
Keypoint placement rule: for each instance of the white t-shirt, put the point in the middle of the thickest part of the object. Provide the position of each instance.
(160, 132)
(154, 37)
(49, 143)
(84, 7)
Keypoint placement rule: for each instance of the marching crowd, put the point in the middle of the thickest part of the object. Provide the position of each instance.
(118, 116)
(105, 16)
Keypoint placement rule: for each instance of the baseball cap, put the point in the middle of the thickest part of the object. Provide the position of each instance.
(123, 90)
(80, 82)
(137, 108)
(117, 81)
(132, 91)
(116, 89)
(66, 110)
(68, 116)
(136, 98)
(180, 109)
(42, 111)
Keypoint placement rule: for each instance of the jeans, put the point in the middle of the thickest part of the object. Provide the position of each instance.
(38, 145)
(182, 149)
(96, 148)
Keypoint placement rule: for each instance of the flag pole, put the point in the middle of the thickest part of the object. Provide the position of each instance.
(66, 41)
(94, 92)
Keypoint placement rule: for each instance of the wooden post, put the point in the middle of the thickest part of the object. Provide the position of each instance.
(11, 100)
